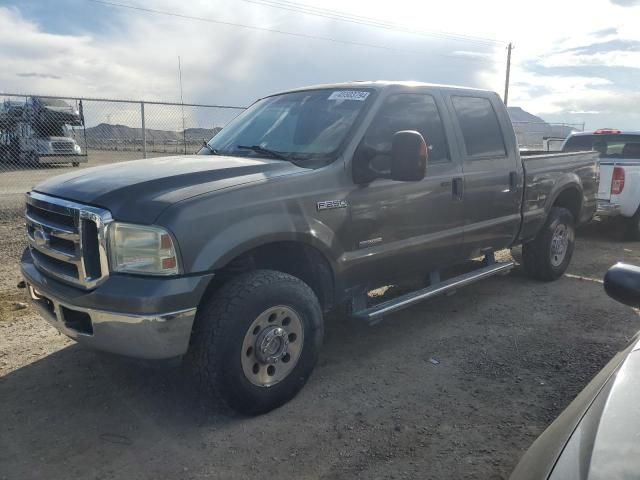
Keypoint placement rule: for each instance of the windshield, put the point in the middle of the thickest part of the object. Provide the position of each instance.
(299, 125)
(53, 102)
(609, 146)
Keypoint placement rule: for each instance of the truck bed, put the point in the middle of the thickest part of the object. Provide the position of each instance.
(545, 174)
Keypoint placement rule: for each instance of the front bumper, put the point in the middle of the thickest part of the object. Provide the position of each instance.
(608, 209)
(139, 317)
(61, 158)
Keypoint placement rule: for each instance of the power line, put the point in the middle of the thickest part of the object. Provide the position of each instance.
(369, 21)
(271, 30)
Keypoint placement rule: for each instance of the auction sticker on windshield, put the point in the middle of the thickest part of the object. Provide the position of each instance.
(349, 95)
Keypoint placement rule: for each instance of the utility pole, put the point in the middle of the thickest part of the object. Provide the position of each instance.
(506, 81)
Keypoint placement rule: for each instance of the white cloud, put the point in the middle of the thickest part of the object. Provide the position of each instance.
(136, 57)
(615, 58)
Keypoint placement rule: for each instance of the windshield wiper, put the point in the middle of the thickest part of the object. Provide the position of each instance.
(265, 151)
(210, 148)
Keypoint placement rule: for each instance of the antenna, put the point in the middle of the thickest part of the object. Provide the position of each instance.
(184, 135)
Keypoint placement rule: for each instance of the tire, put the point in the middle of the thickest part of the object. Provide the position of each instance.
(632, 226)
(32, 160)
(558, 233)
(224, 351)
(75, 164)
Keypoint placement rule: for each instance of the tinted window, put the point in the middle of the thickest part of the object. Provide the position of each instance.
(407, 111)
(609, 146)
(480, 127)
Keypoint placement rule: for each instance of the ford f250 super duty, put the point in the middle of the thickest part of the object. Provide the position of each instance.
(303, 203)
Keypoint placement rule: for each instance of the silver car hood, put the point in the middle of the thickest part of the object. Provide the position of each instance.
(606, 442)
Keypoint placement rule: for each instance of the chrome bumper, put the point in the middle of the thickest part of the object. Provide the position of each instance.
(62, 158)
(607, 209)
(156, 336)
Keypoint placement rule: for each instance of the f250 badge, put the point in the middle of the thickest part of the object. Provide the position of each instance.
(331, 204)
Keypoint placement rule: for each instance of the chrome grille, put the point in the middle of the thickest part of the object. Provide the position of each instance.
(62, 147)
(67, 239)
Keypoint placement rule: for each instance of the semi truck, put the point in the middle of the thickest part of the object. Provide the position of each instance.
(37, 131)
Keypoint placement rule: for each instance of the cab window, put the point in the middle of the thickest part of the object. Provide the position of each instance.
(480, 127)
(406, 111)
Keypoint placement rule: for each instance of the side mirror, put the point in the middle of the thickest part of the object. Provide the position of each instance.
(408, 156)
(622, 283)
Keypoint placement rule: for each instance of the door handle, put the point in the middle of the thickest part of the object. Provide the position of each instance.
(513, 181)
(457, 188)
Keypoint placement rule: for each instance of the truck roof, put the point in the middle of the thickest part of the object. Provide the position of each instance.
(378, 85)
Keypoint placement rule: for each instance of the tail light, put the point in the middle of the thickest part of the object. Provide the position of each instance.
(617, 181)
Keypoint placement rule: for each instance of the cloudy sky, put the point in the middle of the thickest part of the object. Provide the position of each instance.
(574, 61)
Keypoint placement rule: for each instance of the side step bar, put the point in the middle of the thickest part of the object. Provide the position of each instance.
(375, 314)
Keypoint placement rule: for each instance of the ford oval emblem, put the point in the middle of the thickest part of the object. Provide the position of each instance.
(41, 238)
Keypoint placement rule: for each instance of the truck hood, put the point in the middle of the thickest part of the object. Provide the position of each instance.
(139, 190)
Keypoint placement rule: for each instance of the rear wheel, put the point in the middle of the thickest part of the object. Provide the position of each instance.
(256, 340)
(632, 226)
(549, 254)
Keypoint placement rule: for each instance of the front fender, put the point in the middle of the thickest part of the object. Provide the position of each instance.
(252, 232)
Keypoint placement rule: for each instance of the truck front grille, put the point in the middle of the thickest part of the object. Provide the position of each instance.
(62, 147)
(67, 240)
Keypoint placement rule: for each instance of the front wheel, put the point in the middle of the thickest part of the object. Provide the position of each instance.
(255, 342)
(32, 160)
(549, 254)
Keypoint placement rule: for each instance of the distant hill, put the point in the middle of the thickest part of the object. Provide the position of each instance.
(517, 114)
(105, 132)
(531, 130)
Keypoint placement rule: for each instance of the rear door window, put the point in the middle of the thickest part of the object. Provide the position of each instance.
(480, 127)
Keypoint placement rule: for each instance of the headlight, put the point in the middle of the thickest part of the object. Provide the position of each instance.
(141, 249)
(77, 149)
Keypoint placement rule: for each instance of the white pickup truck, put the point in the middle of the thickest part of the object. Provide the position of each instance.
(619, 188)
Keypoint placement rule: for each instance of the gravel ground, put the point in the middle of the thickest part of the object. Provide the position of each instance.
(16, 180)
(513, 353)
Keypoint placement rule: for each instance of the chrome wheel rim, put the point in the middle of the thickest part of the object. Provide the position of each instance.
(272, 346)
(560, 244)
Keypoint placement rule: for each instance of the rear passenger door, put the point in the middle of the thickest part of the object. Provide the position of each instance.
(492, 173)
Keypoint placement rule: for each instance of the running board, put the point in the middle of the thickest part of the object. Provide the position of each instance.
(375, 314)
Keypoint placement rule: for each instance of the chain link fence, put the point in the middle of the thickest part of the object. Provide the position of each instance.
(44, 136)
(543, 135)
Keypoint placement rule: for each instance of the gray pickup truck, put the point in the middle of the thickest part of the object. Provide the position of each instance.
(305, 202)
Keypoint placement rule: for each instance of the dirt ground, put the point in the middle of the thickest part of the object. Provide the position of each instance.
(16, 180)
(513, 353)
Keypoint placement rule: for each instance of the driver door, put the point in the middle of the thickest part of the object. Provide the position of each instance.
(403, 227)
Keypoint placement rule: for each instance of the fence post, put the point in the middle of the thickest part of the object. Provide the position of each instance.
(144, 132)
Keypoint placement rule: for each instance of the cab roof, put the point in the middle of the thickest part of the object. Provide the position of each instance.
(379, 85)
